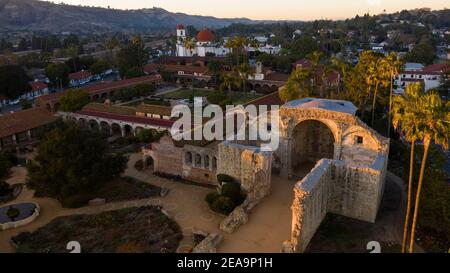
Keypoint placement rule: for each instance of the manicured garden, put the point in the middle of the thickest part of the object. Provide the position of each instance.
(131, 230)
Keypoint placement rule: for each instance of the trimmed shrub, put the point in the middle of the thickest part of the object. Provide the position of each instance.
(211, 197)
(223, 205)
(224, 178)
(232, 191)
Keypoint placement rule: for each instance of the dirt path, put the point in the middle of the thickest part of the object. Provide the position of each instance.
(184, 203)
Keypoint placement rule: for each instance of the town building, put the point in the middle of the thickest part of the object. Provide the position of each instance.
(205, 44)
(430, 76)
(21, 128)
(79, 78)
(98, 91)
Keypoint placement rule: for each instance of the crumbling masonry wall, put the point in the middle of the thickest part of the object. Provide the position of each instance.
(334, 187)
(252, 168)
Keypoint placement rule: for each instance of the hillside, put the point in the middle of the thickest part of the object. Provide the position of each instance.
(36, 15)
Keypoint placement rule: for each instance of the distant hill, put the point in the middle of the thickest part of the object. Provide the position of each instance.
(36, 15)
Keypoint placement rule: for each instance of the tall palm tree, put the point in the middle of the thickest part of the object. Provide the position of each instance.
(230, 80)
(244, 71)
(380, 76)
(394, 66)
(434, 125)
(404, 117)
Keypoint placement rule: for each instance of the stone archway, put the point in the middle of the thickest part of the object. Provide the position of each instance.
(312, 140)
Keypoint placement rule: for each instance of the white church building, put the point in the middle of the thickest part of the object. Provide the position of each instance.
(204, 44)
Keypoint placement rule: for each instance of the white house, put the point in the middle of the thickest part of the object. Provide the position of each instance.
(430, 76)
(80, 78)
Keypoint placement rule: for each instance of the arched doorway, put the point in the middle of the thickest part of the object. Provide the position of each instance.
(149, 163)
(115, 129)
(312, 140)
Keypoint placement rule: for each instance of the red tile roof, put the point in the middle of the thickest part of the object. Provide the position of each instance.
(271, 99)
(24, 120)
(128, 118)
(187, 69)
(180, 26)
(205, 36)
(80, 75)
(436, 68)
(277, 77)
(36, 86)
(105, 87)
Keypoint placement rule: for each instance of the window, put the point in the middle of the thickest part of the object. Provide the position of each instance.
(198, 160)
(188, 157)
(206, 160)
(214, 163)
(359, 140)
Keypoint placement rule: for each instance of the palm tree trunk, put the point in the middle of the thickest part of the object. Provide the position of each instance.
(419, 188)
(374, 102)
(408, 207)
(390, 106)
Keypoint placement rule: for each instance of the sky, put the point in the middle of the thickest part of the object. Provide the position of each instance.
(270, 9)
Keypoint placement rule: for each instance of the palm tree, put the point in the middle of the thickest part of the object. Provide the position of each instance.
(298, 85)
(189, 44)
(394, 65)
(380, 77)
(434, 125)
(230, 80)
(236, 44)
(244, 71)
(404, 116)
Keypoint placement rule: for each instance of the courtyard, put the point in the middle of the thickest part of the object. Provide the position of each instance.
(269, 223)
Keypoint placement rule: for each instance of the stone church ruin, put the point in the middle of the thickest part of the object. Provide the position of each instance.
(349, 160)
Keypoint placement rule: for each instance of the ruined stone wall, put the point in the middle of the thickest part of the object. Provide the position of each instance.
(336, 187)
(252, 168)
(310, 206)
(167, 157)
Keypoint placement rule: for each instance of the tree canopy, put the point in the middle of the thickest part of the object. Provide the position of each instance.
(73, 160)
(74, 99)
(13, 81)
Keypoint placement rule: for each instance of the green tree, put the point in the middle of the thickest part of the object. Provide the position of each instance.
(25, 104)
(74, 100)
(434, 125)
(421, 53)
(405, 114)
(73, 161)
(131, 58)
(298, 85)
(99, 67)
(215, 68)
(58, 74)
(244, 71)
(13, 81)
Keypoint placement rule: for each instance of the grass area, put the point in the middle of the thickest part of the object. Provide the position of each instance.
(121, 189)
(131, 230)
(185, 93)
(146, 101)
(236, 97)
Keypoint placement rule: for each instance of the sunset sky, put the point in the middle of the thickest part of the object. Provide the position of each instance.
(271, 9)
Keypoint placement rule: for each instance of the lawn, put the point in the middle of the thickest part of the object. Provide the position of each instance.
(130, 230)
(236, 97)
